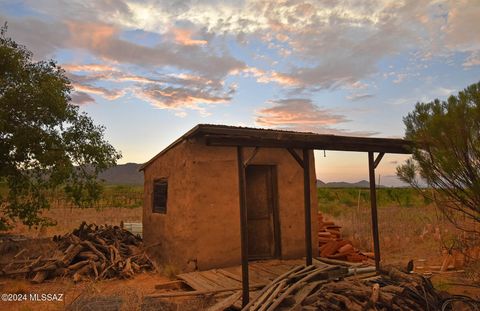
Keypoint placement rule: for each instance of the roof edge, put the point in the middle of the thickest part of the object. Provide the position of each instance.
(176, 142)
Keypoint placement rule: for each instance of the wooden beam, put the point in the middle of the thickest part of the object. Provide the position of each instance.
(308, 208)
(254, 153)
(340, 143)
(243, 225)
(296, 156)
(373, 205)
(378, 159)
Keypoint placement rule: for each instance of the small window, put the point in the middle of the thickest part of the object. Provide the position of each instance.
(160, 187)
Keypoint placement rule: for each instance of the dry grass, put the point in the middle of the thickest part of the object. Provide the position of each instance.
(405, 233)
(417, 232)
(70, 218)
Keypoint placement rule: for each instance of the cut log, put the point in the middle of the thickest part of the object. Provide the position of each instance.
(272, 284)
(40, 276)
(94, 249)
(70, 253)
(88, 255)
(78, 265)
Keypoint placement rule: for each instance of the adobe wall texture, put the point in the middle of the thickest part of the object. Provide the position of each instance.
(169, 236)
(202, 223)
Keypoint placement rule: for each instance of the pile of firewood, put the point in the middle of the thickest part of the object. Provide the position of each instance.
(89, 252)
(331, 245)
(312, 288)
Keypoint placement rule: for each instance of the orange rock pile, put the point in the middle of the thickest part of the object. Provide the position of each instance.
(332, 246)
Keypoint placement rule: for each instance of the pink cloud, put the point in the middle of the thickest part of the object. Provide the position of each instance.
(301, 114)
(296, 111)
(184, 37)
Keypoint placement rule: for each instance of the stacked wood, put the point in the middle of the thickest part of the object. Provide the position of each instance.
(331, 245)
(315, 288)
(89, 252)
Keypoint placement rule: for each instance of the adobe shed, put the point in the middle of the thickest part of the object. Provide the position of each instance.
(191, 214)
(221, 195)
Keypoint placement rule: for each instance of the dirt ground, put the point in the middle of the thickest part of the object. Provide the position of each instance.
(102, 295)
(398, 245)
(113, 294)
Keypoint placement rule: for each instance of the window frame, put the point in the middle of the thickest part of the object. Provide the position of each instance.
(158, 209)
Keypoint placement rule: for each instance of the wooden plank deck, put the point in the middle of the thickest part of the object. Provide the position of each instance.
(260, 273)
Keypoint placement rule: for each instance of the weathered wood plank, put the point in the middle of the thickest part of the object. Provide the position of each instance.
(220, 279)
(226, 303)
(262, 272)
(210, 284)
(194, 281)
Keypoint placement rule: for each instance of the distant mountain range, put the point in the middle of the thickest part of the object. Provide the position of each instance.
(123, 174)
(343, 184)
(128, 174)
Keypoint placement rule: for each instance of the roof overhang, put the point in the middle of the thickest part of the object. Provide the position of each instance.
(223, 135)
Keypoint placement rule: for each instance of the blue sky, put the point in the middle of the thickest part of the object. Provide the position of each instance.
(151, 70)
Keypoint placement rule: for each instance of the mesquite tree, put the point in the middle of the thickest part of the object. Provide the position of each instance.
(46, 143)
(446, 155)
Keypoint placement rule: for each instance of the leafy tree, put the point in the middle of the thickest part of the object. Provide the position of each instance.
(46, 143)
(446, 155)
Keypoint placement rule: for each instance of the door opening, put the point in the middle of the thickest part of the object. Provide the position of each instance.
(262, 212)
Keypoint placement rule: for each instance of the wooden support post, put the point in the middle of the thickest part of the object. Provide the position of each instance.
(373, 204)
(378, 159)
(243, 225)
(308, 216)
(296, 156)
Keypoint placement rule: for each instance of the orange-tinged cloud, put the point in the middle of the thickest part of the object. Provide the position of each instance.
(184, 37)
(271, 76)
(296, 112)
(301, 114)
(91, 35)
(88, 67)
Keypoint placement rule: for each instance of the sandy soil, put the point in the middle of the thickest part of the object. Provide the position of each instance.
(125, 294)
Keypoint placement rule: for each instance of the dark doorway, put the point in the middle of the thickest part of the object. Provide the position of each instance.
(263, 227)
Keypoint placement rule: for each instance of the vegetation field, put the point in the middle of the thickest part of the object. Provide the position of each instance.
(118, 203)
(409, 225)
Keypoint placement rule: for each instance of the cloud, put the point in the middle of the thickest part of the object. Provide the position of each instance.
(462, 23)
(359, 96)
(81, 98)
(301, 114)
(400, 78)
(179, 97)
(472, 60)
(319, 45)
(184, 37)
(174, 91)
(294, 112)
(358, 85)
(263, 76)
(88, 67)
(104, 41)
(104, 92)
